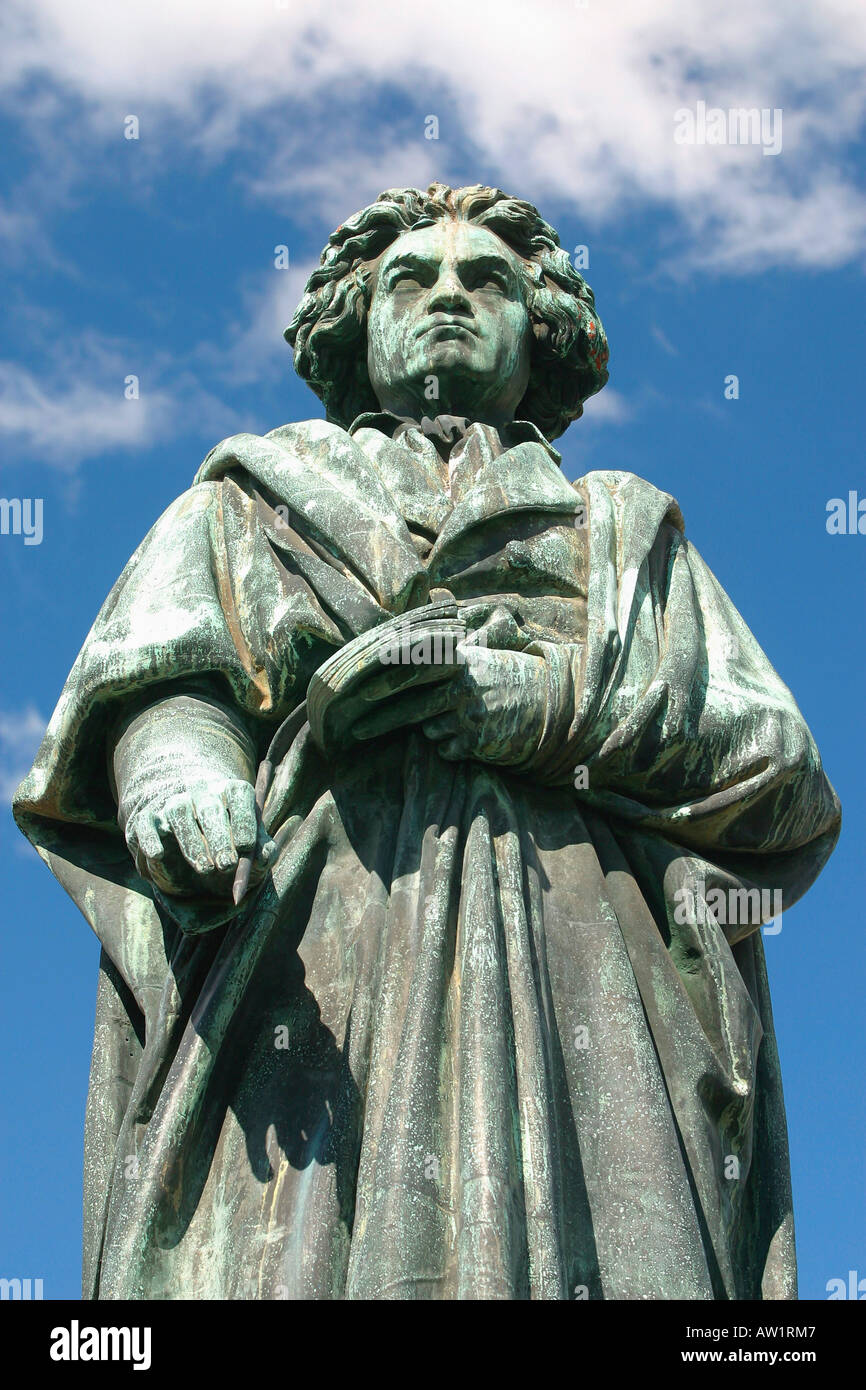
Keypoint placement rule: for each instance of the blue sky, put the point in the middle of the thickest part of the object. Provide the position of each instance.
(266, 125)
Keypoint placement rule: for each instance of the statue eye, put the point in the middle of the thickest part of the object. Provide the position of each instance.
(405, 280)
(490, 280)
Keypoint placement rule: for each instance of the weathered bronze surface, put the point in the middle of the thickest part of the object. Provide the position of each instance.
(426, 1017)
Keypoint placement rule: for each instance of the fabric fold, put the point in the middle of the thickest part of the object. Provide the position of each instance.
(462, 1041)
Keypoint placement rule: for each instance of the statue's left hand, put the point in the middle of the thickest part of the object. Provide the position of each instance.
(492, 710)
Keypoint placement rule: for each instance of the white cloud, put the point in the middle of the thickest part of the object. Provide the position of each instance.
(562, 103)
(346, 174)
(254, 347)
(74, 405)
(559, 101)
(664, 341)
(21, 733)
(609, 407)
(825, 229)
(64, 423)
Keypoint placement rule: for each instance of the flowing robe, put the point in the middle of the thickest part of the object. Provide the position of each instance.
(463, 1042)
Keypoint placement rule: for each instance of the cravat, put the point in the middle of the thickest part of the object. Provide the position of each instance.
(444, 430)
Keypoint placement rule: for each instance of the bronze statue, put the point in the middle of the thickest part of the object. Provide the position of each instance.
(431, 969)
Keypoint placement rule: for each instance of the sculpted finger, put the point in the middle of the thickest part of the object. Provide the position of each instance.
(411, 709)
(213, 819)
(143, 837)
(264, 851)
(455, 749)
(180, 817)
(479, 667)
(501, 631)
(241, 805)
(397, 679)
(443, 726)
(265, 846)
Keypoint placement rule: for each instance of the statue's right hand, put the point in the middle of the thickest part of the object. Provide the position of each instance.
(188, 843)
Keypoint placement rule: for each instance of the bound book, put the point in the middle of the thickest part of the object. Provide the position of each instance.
(408, 651)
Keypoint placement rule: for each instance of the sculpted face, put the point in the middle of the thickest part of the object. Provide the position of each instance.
(448, 303)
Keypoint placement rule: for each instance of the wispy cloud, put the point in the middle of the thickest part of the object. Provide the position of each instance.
(252, 347)
(572, 106)
(21, 733)
(609, 407)
(78, 421)
(570, 103)
(95, 394)
(351, 168)
(664, 341)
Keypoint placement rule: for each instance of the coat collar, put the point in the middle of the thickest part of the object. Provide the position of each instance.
(331, 485)
(519, 431)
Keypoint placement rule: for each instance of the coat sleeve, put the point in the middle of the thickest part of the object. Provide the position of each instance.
(670, 719)
(200, 610)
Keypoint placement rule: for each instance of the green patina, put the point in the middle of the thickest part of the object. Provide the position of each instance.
(418, 1017)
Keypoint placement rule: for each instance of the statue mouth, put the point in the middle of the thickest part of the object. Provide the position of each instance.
(447, 328)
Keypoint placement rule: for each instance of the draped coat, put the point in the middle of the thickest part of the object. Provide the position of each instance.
(462, 1041)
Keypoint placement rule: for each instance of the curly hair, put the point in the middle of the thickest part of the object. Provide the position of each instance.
(328, 332)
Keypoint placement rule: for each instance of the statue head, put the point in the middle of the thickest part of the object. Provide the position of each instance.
(457, 301)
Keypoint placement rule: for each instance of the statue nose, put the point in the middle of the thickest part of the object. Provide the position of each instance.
(448, 294)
